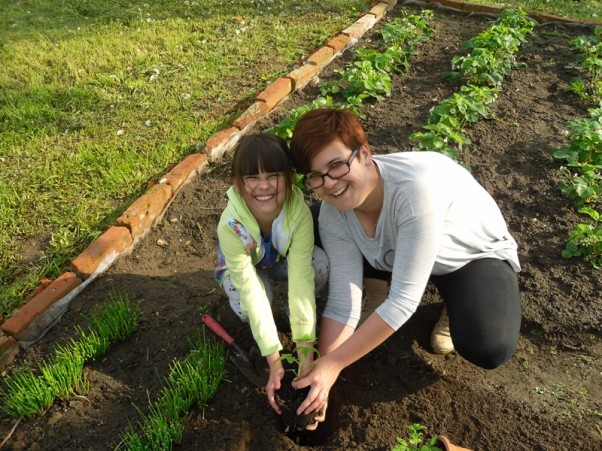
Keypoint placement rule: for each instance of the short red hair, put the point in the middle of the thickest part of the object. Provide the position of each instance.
(318, 128)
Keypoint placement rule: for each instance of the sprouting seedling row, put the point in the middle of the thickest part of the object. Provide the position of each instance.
(588, 85)
(369, 74)
(194, 379)
(26, 394)
(583, 156)
(492, 56)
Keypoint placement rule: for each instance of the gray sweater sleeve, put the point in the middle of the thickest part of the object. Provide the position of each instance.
(435, 218)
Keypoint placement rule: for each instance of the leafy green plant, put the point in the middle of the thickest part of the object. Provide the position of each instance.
(588, 86)
(415, 441)
(492, 52)
(286, 126)
(369, 75)
(299, 355)
(586, 239)
(445, 124)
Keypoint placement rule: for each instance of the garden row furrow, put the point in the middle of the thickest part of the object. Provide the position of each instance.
(492, 56)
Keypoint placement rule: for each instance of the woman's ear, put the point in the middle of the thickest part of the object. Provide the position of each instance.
(366, 154)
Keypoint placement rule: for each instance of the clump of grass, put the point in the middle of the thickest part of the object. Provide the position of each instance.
(192, 380)
(26, 394)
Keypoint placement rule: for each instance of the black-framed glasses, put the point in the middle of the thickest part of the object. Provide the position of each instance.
(338, 170)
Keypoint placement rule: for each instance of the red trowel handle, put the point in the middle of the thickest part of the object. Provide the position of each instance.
(217, 329)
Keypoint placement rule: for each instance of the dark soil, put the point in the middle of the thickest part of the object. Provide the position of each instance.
(547, 397)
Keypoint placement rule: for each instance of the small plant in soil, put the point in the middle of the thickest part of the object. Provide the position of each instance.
(416, 441)
(289, 398)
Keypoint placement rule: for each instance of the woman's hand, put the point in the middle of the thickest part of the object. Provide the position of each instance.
(321, 376)
(276, 375)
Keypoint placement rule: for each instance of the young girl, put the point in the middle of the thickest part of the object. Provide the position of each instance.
(266, 233)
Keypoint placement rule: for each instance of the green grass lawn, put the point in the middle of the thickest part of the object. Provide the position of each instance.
(99, 97)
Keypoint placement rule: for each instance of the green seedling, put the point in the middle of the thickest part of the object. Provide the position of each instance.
(586, 240)
(117, 319)
(492, 52)
(25, 394)
(299, 356)
(415, 441)
(588, 85)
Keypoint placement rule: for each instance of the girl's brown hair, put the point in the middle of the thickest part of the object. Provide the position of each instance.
(318, 128)
(261, 152)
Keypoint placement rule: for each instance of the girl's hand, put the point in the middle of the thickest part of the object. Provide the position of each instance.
(276, 375)
(321, 376)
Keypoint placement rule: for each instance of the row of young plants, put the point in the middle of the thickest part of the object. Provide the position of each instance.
(25, 393)
(492, 55)
(193, 380)
(368, 76)
(582, 158)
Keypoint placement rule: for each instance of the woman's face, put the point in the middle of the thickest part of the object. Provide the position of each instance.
(264, 193)
(350, 190)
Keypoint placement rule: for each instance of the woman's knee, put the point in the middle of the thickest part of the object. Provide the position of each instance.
(487, 354)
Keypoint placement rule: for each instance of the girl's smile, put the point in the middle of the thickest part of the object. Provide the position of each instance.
(264, 193)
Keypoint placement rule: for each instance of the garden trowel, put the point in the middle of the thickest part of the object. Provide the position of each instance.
(249, 364)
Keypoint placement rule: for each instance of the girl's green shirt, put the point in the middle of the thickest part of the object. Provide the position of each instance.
(293, 238)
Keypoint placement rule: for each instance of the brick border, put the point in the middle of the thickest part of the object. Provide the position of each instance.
(49, 299)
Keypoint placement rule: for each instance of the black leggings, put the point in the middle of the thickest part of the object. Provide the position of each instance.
(483, 305)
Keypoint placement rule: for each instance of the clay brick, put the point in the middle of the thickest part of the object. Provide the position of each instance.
(321, 57)
(143, 213)
(483, 8)
(114, 240)
(221, 142)
(19, 322)
(302, 75)
(9, 348)
(338, 43)
(543, 18)
(379, 10)
(252, 114)
(360, 26)
(276, 92)
(450, 3)
(180, 173)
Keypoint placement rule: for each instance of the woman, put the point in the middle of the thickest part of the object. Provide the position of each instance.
(266, 233)
(414, 217)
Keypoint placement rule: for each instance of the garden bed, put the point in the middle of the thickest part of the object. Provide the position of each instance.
(547, 397)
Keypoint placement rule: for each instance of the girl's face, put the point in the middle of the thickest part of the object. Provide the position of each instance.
(264, 193)
(349, 191)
